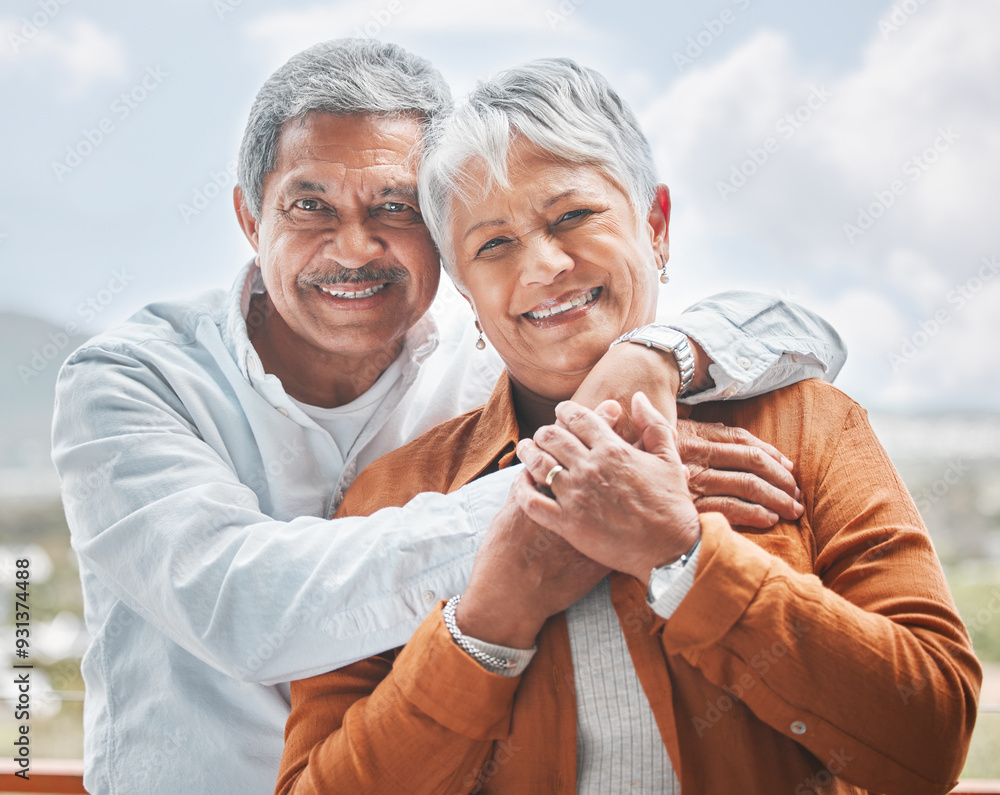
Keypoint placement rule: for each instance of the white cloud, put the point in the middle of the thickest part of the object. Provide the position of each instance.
(287, 32)
(81, 49)
(919, 113)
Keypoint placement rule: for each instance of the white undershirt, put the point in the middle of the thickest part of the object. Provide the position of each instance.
(346, 423)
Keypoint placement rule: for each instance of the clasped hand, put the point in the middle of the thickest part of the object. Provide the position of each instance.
(625, 506)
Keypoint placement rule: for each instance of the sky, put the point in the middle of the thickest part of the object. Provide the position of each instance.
(842, 155)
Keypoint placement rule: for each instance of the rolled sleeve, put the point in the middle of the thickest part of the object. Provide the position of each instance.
(759, 343)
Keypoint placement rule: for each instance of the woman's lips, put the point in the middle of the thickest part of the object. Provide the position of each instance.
(556, 308)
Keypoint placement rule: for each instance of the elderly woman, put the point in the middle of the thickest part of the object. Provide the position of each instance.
(822, 655)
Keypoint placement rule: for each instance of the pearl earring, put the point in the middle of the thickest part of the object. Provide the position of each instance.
(664, 277)
(480, 343)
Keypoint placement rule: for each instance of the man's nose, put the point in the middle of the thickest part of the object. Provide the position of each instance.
(354, 245)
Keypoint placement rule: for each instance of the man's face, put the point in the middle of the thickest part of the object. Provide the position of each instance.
(345, 256)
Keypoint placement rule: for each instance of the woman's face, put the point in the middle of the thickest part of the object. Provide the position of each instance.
(556, 268)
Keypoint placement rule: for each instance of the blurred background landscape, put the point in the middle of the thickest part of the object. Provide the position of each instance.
(874, 204)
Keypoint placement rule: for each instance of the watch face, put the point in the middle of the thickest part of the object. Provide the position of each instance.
(663, 336)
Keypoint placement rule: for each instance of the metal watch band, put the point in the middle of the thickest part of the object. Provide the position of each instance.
(669, 340)
(487, 660)
(672, 569)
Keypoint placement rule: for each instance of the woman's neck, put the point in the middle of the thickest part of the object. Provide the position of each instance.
(532, 410)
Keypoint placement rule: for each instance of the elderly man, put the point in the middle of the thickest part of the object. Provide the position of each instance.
(203, 444)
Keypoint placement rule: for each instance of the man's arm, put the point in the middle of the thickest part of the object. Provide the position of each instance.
(743, 344)
(756, 343)
(159, 515)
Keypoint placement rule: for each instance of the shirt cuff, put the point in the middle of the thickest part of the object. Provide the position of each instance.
(671, 598)
(520, 657)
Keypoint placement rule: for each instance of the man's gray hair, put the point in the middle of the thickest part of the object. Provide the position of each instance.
(342, 77)
(559, 106)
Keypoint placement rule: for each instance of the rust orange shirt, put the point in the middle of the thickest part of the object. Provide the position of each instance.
(823, 655)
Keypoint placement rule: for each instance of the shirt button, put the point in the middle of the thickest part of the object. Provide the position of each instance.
(729, 391)
(429, 596)
(798, 727)
(251, 363)
(744, 362)
(283, 412)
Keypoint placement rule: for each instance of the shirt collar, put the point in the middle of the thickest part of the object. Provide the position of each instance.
(493, 442)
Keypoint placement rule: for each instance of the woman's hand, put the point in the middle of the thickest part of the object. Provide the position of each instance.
(523, 574)
(626, 507)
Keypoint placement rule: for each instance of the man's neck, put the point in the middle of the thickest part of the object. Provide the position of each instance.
(308, 374)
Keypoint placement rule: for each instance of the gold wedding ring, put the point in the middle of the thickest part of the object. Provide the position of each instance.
(552, 474)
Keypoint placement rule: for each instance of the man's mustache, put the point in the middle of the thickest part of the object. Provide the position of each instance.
(366, 274)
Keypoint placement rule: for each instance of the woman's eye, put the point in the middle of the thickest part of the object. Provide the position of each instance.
(489, 245)
(395, 207)
(574, 215)
(307, 204)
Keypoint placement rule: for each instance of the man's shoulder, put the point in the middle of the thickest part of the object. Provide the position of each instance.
(169, 323)
(430, 462)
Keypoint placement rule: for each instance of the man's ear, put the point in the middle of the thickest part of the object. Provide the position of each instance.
(248, 223)
(659, 222)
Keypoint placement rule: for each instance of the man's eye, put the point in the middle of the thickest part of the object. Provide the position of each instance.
(574, 215)
(308, 204)
(490, 245)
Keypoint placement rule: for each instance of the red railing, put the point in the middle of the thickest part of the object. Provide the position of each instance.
(66, 775)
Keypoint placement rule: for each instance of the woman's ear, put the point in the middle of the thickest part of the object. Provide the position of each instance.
(659, 223)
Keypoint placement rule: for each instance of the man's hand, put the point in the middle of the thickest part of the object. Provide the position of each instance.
(733, 472)
(625, 506)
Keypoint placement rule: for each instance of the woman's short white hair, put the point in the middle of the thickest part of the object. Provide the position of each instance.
(341, 77)
(556, 104)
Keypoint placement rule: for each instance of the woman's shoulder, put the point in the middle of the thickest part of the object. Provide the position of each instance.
(428, 463)
(805, 421)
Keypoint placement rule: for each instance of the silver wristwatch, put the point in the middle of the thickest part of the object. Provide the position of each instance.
(662, 578)
(666, 339)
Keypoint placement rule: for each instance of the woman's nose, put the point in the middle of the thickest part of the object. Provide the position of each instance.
(544, 261)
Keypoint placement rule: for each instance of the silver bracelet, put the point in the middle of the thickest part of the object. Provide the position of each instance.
(487, 660)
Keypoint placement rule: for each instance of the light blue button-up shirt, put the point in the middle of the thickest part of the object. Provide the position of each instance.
(197, 493)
